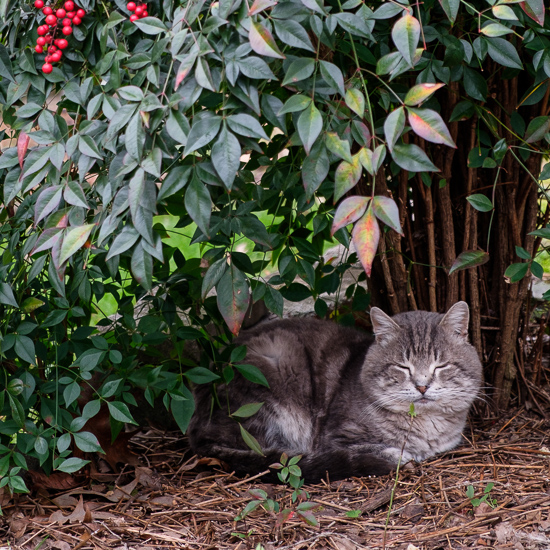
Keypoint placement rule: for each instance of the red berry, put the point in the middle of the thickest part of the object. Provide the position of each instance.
(52, 49)
(67, 30)
(51, 20)
(81, 13)
(67, 22)
(139, 10)
(47, 10)
(76, 20)
(71, 14)
(130, 6)
(60, 13)
(47, 68)
(133, 17)
(56, 57)
(69, 5)
(41, 41)
(145, 13)
(48, 58)
(38, 49)
(38, 4)
(49, 38)
(42, 30)
(62, 43)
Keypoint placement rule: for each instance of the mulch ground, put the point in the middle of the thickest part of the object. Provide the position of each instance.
(176, 501)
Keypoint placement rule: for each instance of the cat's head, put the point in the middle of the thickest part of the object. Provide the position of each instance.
(422, 358)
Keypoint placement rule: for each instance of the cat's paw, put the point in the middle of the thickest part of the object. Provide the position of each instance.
(397, 455)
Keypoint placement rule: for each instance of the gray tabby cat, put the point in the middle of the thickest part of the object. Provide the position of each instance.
(341, 399)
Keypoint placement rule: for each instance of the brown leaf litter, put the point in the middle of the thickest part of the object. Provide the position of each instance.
(178, 501)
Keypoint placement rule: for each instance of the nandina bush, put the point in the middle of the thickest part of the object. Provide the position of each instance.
(177, 161)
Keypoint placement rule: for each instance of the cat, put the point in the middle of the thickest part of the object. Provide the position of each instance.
(343, 399)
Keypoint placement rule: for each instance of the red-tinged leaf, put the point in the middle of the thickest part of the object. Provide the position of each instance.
(185, 68)
(365, 237)
(429, 125)
(346, 177)
(308, 517)
(405, 35)
(470, 258)
(260, 5)
(349, 211)
(372, 160)
(233, 297)
(355, 100)
(535, 10)
(262, 41)
(387, 211)
(73, 240)
(22, 145)
(419, 93)
(47, 239)
(337, 146)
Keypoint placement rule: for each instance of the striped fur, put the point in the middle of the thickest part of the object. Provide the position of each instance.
(341, 399)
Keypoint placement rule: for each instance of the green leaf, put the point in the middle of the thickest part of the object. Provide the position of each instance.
(6, 295)
(262, 41)
(73, 241)
(355, 100)
(24, 348)
(346, 177)
(199, 204)
(503, 52)
(386, 211)
(254, 67)
(71, 393)
(470, 491)
(354, 24)
(353, 513)
(87, 147)
(183, 409)
(150, 25)
(247, 410)
(176, 179)
(349, 211)
(298, 70)
(480, 202)
(47, 202)
(537, 270)
(522, 253)
(226, 155)
(233, 297)
(142, 266)
(544, 233)
(74, 194)
(202, 132)
(421, 92)
(119, 411)
(516, 272)
(29, 305)
(537, 129)
(201, 375)
(475, 85)
(203, 75)
(333, 76)
(87, 442)
(6, 70)
(339, 147)
(131, 93)
(394, 126)
(310, 124)
(253, 373)
(450, 7)
(411, 157)
(123, 241)
(246, 125)
(251, 441)
(429, 125)
(365, 237)
(504, 12)
(293, 34)
(315, 169)
(405, 35)
(295, 103)
(469, 258)
(72, 465)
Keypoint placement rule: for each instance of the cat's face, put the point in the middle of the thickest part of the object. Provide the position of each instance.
(422, 358)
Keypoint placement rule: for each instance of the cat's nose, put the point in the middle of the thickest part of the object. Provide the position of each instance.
(422, 389)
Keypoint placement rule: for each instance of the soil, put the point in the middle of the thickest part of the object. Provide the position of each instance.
(175, 500)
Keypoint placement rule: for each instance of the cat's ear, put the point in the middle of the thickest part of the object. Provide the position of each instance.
(457, 319)
(384, 327)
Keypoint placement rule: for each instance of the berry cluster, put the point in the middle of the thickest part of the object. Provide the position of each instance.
(56, 18)
(140, 10)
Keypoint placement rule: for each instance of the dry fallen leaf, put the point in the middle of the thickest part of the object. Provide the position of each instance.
(81, 514)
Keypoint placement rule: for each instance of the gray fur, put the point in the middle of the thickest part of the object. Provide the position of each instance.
(342, 400)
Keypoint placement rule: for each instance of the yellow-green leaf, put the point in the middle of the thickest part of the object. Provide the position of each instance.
(419, 93)
(349, 211)
(346, 177)
(73, 240)
(355, 100)
(405, 35)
